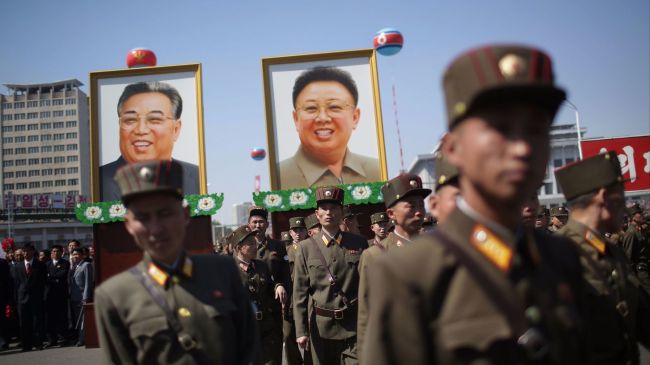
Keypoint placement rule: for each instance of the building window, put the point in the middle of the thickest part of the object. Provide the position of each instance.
(57, 101)
(34, 184)
(57, 113)
(73, 170)
(73, 158)
(46, 125)
(59, 148)
(7, 105)
(7, 128)
(19, 116)
(34, 161)
(59, 182)
(8, 163)
(73, 192)
(32, 149)
(70, 101)
(7, 151)
(7, 117)
(48, 183)
(59, 136)
(20, 186)
(21, 173)
(19, 128)
(7, 139)
(57, 125)
(70, 112)
(73, 182)
(19, 104)
(46, 160)
(8, 175)
(71, 135)
(33, 173)
(21, 162)
(45, 102)
(32, 104)
(45, 114)
(71, 147)
(59, 159)
(32, 138)
(46, 172)
(32, 115)
(59, 171)
(21, 150)
(71, 124)
(20, 139)
(46, 137)
(8, 186)
(46, 149)
(32, 127)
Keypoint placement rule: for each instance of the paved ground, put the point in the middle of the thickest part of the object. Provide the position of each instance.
(53, 356)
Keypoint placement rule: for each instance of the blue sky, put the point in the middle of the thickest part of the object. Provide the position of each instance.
(601, 51)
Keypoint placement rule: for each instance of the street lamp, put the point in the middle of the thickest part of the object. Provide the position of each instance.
(575, 110)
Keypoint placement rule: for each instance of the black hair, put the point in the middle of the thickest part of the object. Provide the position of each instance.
(153, 87)
(325, 73)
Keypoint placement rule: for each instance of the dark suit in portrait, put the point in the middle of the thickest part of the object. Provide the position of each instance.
(110, 191)
(30, 289)
(56, 299)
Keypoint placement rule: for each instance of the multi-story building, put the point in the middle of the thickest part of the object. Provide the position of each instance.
(45, 154)
(45, 139)
(240, 213)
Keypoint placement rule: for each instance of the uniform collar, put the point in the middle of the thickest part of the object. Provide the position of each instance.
(162, 273)
(327, 239)
(314, 170)
(504, 233)
(592, 237)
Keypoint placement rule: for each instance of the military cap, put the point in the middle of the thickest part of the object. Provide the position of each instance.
(402, 186)
(285, 236)
(559, 212)
(330, 194)
(258, 211)
(498, 73)
(446, 173)
(296, 222)
(378, 218)
(239, 235)
(149, 177)
(582, 177)
(543, 211)
(311, 221)
(634, 209)
(429, 220)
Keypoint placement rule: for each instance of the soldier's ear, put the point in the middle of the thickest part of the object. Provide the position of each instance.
(450, 147)
(599, 197)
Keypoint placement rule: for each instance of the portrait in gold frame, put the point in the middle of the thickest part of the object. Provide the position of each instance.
(285, 141)
(106, 129)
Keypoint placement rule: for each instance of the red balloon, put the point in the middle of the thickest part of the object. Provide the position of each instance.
(258, 154)
(140, 57)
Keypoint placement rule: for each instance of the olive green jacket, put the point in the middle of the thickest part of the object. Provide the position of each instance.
(427, 308)
(216, 310)
(611, 291)
(311, 283)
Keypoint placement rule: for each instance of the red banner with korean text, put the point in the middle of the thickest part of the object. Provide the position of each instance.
(633, 154)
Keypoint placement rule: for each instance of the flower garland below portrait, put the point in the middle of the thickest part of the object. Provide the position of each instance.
(113, 211)
(293, 199)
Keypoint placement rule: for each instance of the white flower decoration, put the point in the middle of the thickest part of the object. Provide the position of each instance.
(361, 192)
(297, 198)
(273, 200)
(93, 212)
(185, 203)
(206, 203)
(117, 211)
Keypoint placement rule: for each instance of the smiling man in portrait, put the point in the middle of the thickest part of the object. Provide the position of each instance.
(149, 125)
(325, 115)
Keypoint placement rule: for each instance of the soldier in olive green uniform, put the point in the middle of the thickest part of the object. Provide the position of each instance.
(378, 223)
(312, 224)
(559, 217)
(543, 219)
(171, 308)
(595, 195)
(637, 246)
(473, 291)
(326, 281)
(297, 232)
(256, 277)
(443, 200)
(404, 200)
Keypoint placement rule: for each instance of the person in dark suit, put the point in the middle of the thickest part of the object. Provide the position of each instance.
(6, 298)
(30, 276)
(81, 290)
(56, 296)
(149, 125)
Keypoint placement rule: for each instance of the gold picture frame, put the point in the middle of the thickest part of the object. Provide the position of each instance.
(105, 90)
(282, 71)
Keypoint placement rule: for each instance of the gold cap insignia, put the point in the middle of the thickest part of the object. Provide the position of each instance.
(146, 174)
(511, 65)
(442, 179)
(184, 312)
(460, 108)
(413, 183)
(328, 193)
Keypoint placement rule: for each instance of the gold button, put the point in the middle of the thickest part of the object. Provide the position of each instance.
(184, 312)
(481, 236)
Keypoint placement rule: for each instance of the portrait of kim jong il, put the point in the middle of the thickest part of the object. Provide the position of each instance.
(149, 122)
(325, 114)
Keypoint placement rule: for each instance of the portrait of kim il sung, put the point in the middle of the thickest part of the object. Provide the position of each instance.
(152, 113)
(323, 119)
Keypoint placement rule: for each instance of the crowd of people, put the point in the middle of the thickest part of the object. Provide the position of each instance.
(42, 295)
